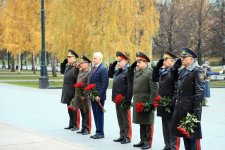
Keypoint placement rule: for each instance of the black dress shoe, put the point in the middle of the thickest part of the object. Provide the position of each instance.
(125, 141)
(98, 136)
(68, 127)
(93, 136)
(166, 148)
(120, 139)
(140, 144)
(146, 146)
(85, 132)
(74, 129)
(80, 132)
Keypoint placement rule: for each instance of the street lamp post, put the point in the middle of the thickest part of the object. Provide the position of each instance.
(43, 79)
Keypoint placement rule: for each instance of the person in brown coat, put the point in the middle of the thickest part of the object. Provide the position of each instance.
(82, 102)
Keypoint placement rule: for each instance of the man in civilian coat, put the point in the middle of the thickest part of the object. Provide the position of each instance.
(68, 91)
(189, 95)
(121, 86)
(144, 90)
(99, 76)
(82, 102)
(166, 74)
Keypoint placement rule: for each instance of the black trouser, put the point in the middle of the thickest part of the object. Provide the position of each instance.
(74, 116)
(86, 120)
(146, 132)
(192, 144)
(124, 121)
(171, 142)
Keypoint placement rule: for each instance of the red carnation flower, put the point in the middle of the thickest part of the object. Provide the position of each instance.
(78, 85)
(156, 104)
(90, 87)
(118, 99)
(183, 131)
(139, 107)
(157, 98)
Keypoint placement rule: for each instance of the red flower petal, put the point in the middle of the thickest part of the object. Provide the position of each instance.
(157, 98)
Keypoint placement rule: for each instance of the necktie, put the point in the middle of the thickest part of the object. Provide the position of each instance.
(94, 69)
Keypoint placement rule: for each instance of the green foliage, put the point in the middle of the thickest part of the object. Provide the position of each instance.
(189, 122)
(165, 103)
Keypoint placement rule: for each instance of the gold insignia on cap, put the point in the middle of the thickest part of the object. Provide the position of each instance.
(184, 53)
(167, 56)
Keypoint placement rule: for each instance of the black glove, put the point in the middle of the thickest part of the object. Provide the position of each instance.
(160, 63)
(133, 65)
(114, 64)
(63, 66)
(111, 69)
(65, 61)
(178, 63)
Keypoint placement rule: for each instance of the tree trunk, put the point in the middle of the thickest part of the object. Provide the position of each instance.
(200, 20)
(13, 64)
(54, 67)
(9, 66)
(47, 58)
(19, 62)
(3, 60)
(33, 64)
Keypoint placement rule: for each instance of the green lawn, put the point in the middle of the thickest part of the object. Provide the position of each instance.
(217, 83)
(35, 84)
(28, 75)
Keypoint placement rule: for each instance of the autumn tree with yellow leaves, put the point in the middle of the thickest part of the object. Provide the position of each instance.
(102, 25)
(85, 26)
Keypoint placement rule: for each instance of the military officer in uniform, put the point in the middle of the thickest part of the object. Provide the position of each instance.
(68, 91)
(189, 94)
(144, 90)
(83, 103)
(166, 73)
(120, 86)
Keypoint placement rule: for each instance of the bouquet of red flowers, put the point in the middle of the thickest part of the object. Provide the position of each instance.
(187, 125)
(165, 103)
(79, 86)
(120, 100)
(144, 107)
(92, 93)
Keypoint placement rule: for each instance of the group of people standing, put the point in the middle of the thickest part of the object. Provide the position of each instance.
(178, 79)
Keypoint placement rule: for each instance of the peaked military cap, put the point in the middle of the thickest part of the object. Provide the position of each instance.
(85, 59)
(143, 56)
(170, 55)
(72, 53)
(122, 55)
(187, 52)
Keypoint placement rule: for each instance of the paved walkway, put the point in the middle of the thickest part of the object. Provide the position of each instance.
(33, 119)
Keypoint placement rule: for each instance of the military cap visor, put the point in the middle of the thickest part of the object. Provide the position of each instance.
(121, 55)
(141, 55)
(85, 59)
(188, 53)
(169, 55)
(71, 53)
